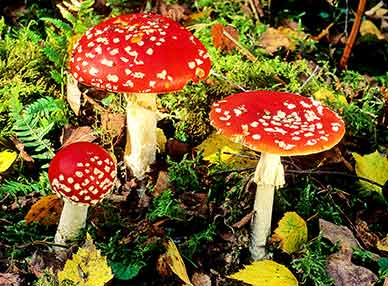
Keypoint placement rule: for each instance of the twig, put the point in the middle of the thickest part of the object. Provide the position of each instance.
(226, 79)
(315, 71)
(353, 35)
(254, 10)
(242, 49)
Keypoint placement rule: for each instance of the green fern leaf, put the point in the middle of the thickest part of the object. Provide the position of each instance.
(59, 24)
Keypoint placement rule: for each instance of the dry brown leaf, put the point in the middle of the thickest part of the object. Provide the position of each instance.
(73, 94)
(76, 134)
(201, 279)
(369, 238)
(176, 149)
(337, 233)
(274, 39)
(161, 185)
(220, 41)
(345, 273)
(113, 123)
(175, 12)
(20, 146)
(245, 220)
(10, 279)
(45, 211)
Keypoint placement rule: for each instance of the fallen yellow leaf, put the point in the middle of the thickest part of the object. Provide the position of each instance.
(368, 28)
(266, 273)
(86, 268)
(382, 245)
(175, 261)
(374, 167)
(217, 145)
(291, 232)
(6, 159)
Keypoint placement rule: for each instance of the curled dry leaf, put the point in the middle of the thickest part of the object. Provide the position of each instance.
(10, 279)
(245, 220)
(113, 123)
(175, 12)
(77, 134)
(46, 211)
(161, 185)
(176, 149)
(274, 39)
(201, 279)
(368, 238)
(73, 94)
(20, 146)
(337, 233)
(220, 41)
(345, 273)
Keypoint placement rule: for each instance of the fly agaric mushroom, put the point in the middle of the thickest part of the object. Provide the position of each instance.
(82, 173)
(142, 54)
(276, 124)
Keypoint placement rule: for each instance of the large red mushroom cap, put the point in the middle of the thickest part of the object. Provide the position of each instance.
(139, 53)
(279, 123)
(82, 172)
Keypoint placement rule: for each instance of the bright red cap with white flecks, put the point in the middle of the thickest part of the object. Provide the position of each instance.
(279, 123)
(82, 172)
(141, 52)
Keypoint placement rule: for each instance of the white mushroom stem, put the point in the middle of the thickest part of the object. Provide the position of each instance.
(73, 219)
(269, 175)
(140, 150)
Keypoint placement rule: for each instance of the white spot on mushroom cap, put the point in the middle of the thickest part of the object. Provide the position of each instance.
(162, 74)
(107, 62)
(112, 77)
(93, 71)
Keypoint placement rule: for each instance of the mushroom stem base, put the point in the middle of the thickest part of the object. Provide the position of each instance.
(269, 175)
(141, 146)
(73, 219)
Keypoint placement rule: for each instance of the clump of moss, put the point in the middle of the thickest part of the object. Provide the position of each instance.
(22, 66)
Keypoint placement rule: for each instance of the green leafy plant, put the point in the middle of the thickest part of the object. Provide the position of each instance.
(312, 264)
(165, 206)
(183, 175)
(199, 238)
(33, 123)
(61, 35)
(24, 186)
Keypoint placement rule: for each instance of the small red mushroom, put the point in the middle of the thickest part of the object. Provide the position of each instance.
(82, 173)
(142, 54)
(276, 124)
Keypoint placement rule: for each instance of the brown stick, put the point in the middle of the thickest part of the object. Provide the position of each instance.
(353, 35)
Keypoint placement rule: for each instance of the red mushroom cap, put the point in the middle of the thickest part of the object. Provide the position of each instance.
(139, 53)
(82, 172)
(279, 123)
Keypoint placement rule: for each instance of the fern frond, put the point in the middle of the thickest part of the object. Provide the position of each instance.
(25, 186)
(33, 36)
(33, 123)
(53, 55)
(59, 24)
